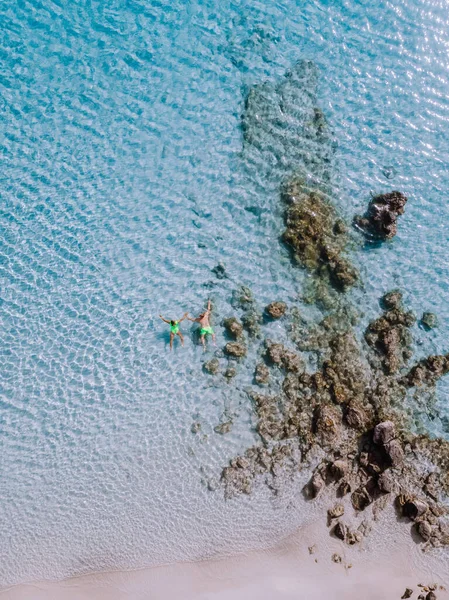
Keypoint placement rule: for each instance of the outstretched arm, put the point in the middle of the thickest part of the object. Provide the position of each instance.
(184, 316)
(209, 305)
(165, 320)
(193, 320)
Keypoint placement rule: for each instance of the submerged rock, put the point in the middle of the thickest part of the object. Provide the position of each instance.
(429, 321)
(235, 349)
(276, 310)
(313, 237)
(212, 366)
(283, 128)
(251, 321)
(262, 374)
(427, 371)
(389, 335)
(380, 220)
(233, 327)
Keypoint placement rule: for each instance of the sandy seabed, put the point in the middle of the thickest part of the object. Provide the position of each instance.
(301, 567)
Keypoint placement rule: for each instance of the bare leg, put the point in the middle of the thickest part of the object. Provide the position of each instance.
(172, 337)
(182, 338)
(203, 341)
(213, 339)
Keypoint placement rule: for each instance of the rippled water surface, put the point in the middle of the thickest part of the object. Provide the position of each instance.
(123, 185)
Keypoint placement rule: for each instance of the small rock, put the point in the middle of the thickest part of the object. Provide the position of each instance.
(312, 549)
(338, 469)
(316, 485)
(354, 537)
(336, 558)
(384, 433)
(414, 508)
(230, 373)
(392, 300)
(212, 366)
(337, 511)
(343, 489)
(223, 428)
(235, 349)
(196, 427)
(219, 271)
(395, 452)
(340, 530)
(262, 374)
(431, 596)
(233, 327)
(429, 321)
(387, 482)
(425, 530)
(276, 310)
(408, 592)
(360, 499)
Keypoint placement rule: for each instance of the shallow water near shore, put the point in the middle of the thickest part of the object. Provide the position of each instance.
(124, 184)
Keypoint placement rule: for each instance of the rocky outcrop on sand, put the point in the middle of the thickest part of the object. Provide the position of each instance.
(332, 402)
(380, 220)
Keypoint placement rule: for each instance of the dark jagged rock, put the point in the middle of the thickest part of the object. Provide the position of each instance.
(380, 220)
(429, 321)
(411, 507)
(220, 271)
(235, 349)
(262, 374)
(233, 327)
(311, 235)
(407, 594)
(340, 530)
(338, 469)
(212, 366)
(276, 310)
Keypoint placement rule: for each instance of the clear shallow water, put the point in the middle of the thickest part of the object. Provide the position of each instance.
(122, 186)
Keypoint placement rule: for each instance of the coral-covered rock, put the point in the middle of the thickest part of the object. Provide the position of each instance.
(212, 366)
(427, 371)
(429, 321)
(233, 327)
(276, 310)
(380, 220)
(262, 374)
(235, 349)
(312, 235)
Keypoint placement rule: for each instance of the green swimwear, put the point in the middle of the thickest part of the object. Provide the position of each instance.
(205, 330)
(174, 328)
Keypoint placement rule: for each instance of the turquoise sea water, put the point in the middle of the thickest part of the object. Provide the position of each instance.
(123, 185)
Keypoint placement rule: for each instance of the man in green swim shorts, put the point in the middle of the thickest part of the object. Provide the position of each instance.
(206, 329)
(174, 329)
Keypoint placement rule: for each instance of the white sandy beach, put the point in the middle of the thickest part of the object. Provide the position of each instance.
(381, 567)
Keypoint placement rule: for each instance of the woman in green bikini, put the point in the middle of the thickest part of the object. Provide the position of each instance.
(174, 329)
(206, 329)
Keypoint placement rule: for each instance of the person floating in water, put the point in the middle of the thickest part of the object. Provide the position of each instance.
(174, 329)
(205, 329)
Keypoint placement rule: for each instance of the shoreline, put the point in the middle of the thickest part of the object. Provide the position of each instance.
(300, 566)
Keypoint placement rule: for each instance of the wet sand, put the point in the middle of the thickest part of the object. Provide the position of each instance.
(381, 567)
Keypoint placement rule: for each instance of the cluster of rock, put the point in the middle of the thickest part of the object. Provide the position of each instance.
(352, 409)
(349, 406)
(380, 220)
